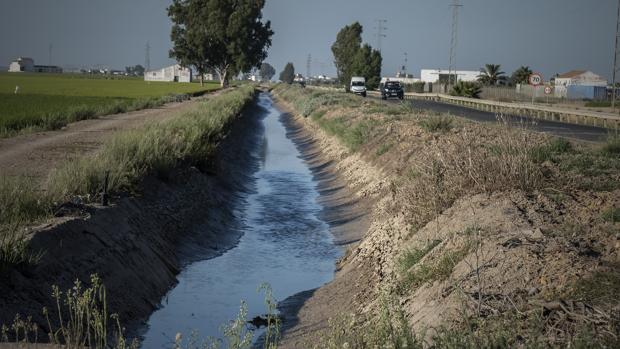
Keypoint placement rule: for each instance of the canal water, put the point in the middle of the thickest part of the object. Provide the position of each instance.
(285, 244)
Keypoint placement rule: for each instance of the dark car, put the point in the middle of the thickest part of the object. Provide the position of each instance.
(392, 89)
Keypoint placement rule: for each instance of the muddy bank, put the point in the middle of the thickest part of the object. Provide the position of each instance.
(138, 244)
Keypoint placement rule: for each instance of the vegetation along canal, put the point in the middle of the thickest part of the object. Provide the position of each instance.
(285, 244)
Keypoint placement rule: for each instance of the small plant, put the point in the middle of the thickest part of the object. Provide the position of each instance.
(411, 257)
(14, 249)
(555, 147)
(466, 89)
(437, 123)
(383, 148)
(611, 215)
(612, 146)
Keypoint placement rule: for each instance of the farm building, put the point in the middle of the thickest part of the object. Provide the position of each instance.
(26, 65)
(173, 73)
(441, 75)
(580, 78)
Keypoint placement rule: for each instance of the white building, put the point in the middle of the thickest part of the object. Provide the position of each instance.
(401, 79)
(26, 65)
(435, 75)
(173, 73)
(581, 78)
(22, 64)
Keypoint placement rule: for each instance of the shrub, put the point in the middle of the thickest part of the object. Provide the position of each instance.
(612, 146)
(466, 89)
(437, 123)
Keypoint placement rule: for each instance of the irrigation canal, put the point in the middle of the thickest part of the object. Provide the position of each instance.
(285, 243)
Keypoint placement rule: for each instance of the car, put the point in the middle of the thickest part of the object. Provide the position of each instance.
(392, 89)
(358, 85)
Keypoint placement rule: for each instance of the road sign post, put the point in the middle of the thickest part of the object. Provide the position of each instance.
(535, 80)
(548, 91)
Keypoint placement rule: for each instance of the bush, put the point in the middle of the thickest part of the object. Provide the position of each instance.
(437, 123)
(466, 89)
(612, 146)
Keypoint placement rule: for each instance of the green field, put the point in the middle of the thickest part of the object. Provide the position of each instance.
(50, 101)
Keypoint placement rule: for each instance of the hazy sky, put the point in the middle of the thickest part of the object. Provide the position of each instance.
(551, 36)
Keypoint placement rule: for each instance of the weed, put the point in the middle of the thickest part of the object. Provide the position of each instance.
(317, 114)
(14, 249)
(21, 200)
(431, 271)
(411, 257)
(611, 215)
(549, 151)
(602, 287)
(437, 123)
(388, 328)
(612, 146)
(383, 148)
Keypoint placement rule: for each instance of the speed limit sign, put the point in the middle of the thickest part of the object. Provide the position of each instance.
(535, 79)
(548, 90)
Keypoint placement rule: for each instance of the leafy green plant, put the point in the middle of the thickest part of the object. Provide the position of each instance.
(466, 89)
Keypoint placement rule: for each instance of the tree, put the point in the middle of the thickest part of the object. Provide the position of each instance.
(227, 36)
(367, 63)
(136, 70)
(466, 89)
(267, 71)
(521, 75)
(288, 74)
(348, 42)
(491, 75)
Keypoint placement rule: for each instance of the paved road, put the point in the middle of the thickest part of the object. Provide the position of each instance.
(585, 133)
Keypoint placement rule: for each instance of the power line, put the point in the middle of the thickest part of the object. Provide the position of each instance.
(616, 56)
(147, 57)
(380, 32)
(308, 65)
(453, 41)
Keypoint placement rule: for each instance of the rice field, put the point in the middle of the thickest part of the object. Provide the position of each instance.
(50, 101)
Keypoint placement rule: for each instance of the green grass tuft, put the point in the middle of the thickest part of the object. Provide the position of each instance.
(437, 123)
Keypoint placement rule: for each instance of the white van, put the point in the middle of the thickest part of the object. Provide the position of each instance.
(358, 85)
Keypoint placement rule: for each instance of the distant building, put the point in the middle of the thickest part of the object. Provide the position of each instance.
(47, 69)
(580, 78)
(26, 65)
(441, 75)
(408, 79)
(22, 64)
(173, 73)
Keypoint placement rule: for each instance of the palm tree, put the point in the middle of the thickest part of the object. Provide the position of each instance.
(491, 75)
(521, 75)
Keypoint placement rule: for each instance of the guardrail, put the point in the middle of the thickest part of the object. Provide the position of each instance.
(578, 117)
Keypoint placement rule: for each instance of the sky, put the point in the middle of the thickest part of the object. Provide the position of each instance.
(549, 36)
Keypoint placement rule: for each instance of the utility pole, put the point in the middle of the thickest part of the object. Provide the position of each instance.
(405, 65)
(308, 66)
(147, 57)
(453, 42)
(616, 56)
(380, 32)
